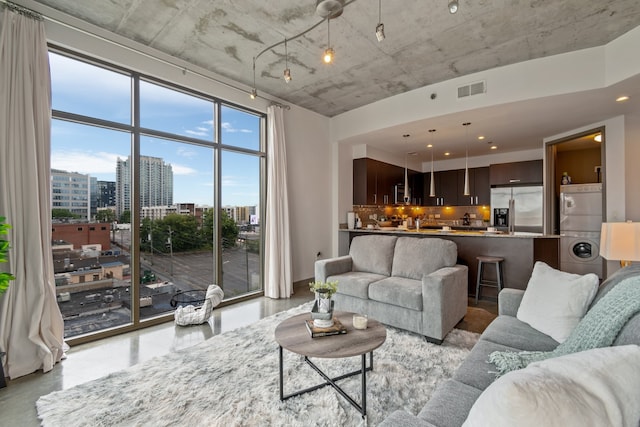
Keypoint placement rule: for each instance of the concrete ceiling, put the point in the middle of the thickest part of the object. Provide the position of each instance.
(425, 44)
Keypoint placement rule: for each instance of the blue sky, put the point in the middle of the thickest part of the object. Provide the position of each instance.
(92, 91)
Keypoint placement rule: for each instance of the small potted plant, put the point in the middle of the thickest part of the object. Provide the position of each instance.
(5, 277)
(322, 312)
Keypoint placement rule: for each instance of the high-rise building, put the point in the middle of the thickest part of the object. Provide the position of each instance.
(72, 191)
(156, 183)
(106, 195)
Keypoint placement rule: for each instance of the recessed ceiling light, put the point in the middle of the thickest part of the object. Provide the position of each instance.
(481, 137)
(447, 154)
(598, 137)
(494, 147)
(622, 98)
(430, 146)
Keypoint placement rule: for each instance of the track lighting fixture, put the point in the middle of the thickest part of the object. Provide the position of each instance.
(287, 71)
(380, 26)
(453, 6)
(329, 52)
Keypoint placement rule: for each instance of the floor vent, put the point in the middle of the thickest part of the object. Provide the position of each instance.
(472, 89)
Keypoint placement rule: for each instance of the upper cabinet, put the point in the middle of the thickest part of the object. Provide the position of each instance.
(374, 181)
(479, 188)
(449, 186)
(516, 173)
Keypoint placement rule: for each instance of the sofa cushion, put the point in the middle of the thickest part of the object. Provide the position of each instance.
(555, 301)
(475, 370)
(450, 404)
(597, 387)
(355, 283)
(373, 254)
(509, 331)
(397, 291)
(415, 257)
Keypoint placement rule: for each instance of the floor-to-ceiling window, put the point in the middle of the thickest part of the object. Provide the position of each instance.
(156, 194)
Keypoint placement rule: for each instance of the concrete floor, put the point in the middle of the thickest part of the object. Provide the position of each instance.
(87, 362)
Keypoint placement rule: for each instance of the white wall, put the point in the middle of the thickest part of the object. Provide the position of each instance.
(310, 180)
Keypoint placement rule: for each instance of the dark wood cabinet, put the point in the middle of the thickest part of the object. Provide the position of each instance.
(374, 181)
(516, 173)
(479, 188)
(446, 186)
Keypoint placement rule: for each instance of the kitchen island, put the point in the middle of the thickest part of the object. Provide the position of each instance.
(519, 250)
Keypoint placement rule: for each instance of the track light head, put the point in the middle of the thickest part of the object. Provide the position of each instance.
(287, 75)
(328, 56)
(453, 6)
(253, 94)
(380, 32)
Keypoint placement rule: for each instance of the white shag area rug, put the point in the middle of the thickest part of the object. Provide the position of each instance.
(232, 380)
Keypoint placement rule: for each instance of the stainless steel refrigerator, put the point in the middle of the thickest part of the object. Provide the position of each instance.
(524, 207)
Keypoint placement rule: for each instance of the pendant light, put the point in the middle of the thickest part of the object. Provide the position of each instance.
(287, 71)
(329, 52)
(432, 185)
(254, 92)
(466, 191)
(380, 26)
(407, 193)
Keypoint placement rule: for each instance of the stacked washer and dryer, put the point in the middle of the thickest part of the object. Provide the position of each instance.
(580, 224)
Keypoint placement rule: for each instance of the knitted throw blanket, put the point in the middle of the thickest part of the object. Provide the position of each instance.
(598, 328)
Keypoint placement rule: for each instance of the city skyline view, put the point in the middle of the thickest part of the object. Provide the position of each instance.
(95, 150)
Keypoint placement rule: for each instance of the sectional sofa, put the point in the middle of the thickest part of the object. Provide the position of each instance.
(452, 404)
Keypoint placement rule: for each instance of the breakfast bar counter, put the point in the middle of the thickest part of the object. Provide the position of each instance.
(519, 250)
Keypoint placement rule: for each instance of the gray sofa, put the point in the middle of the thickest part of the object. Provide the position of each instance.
(453, 399)
(407, 282)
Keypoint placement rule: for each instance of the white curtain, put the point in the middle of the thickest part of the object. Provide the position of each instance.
(277, 258)
(31, 326)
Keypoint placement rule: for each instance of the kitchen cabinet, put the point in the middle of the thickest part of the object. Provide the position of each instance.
(516, 173)
(446, 183)
(374, 181)
(479, 188)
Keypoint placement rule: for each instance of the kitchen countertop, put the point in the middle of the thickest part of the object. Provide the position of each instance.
(434, 232)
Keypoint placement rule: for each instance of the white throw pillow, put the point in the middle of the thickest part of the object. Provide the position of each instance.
(599, 387)
(555, 301)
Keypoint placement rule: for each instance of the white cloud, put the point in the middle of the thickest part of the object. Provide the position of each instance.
(228, 127)
(86, 162)
(182, 170)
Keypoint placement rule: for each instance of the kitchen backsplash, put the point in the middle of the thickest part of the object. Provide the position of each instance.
(429, 215)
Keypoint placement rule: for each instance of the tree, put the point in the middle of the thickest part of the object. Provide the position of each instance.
(230, 229)
(125, 218)
(63, 214)
(106, 215)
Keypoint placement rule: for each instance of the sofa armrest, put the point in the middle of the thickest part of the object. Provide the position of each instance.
(332, 266)
(509, 301)
(444, 299)
(405, 419)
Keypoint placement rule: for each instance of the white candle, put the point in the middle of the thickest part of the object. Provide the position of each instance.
(360, 322)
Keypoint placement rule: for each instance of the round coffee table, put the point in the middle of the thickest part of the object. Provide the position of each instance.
(292, 334)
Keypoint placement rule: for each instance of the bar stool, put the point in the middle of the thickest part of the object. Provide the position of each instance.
(498, 283)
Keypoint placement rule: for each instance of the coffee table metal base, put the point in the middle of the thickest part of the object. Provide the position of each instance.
(332, 381)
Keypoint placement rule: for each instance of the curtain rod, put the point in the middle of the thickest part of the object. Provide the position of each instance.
(36, 15)
(22, 10)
